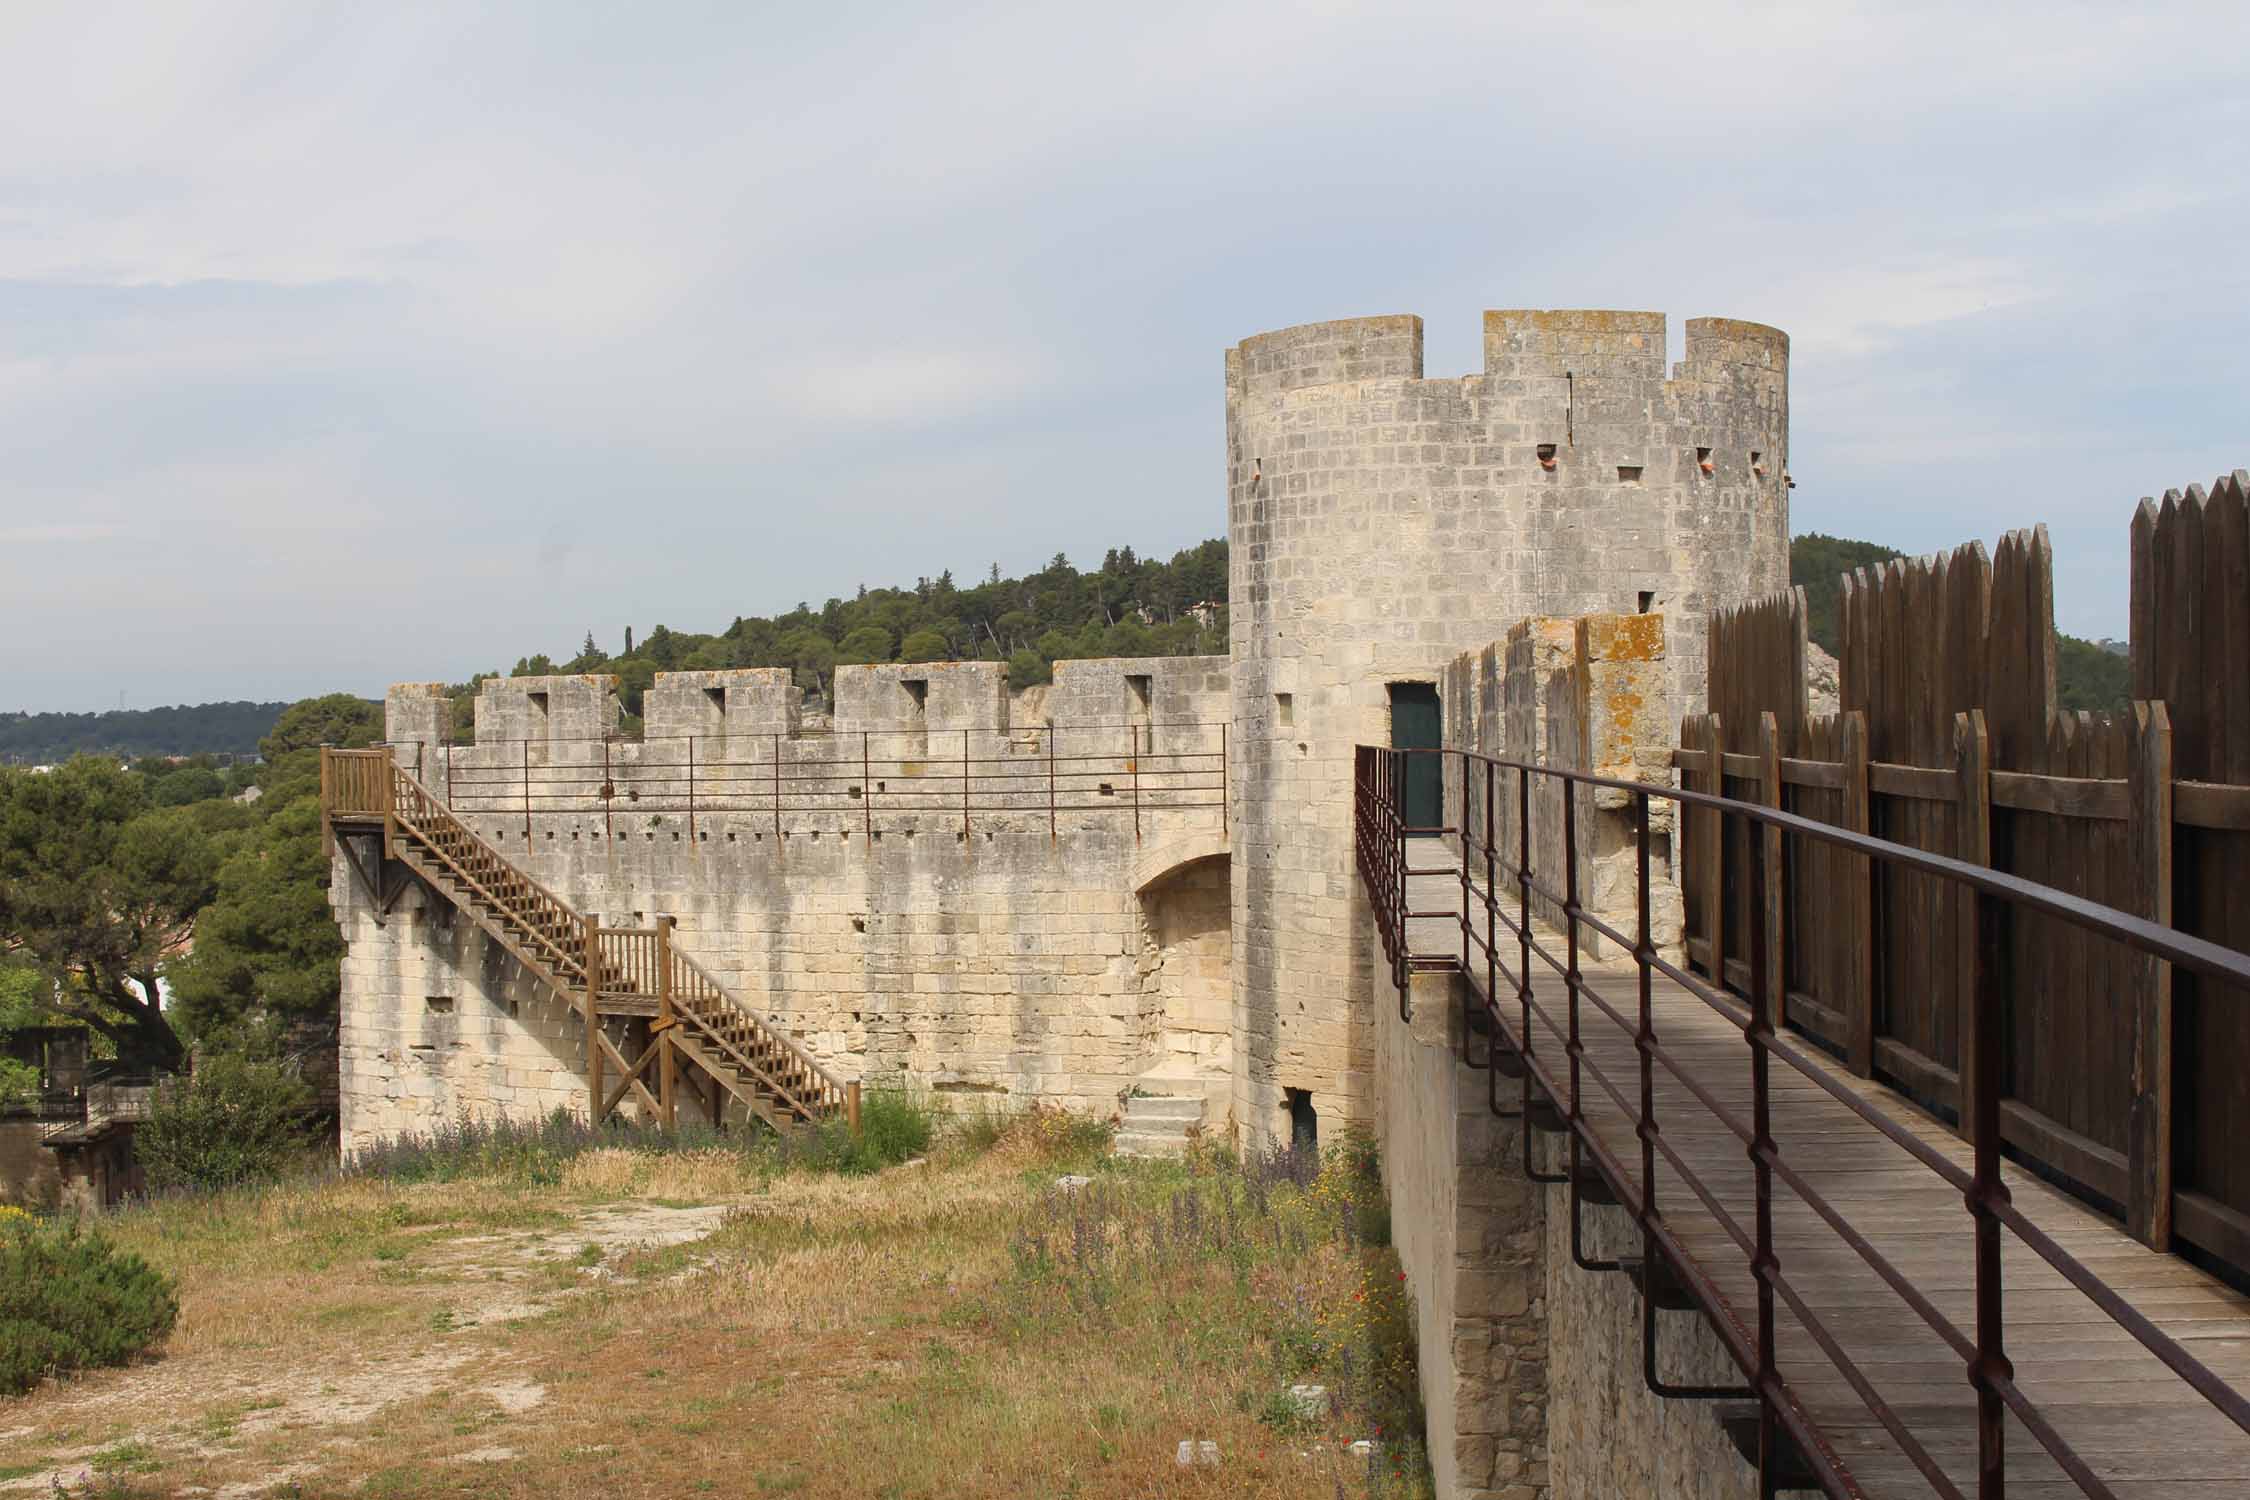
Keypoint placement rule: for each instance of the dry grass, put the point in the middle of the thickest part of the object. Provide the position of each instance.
(682, 1324)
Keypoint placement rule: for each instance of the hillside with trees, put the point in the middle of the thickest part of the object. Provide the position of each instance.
(186, 729)
(1129, 606)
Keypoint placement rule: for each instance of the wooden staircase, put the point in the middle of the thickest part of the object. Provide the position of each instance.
(702, 1038)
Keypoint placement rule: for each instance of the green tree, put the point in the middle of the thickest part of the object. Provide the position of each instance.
(267, 951)
(177, 788)
(2086, 676)
(99, 889)
(923, 645)
(867, 644)
(235, 1119)
(1817, 564)
(338, 719)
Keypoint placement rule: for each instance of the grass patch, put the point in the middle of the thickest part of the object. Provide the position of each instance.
(965, 1328)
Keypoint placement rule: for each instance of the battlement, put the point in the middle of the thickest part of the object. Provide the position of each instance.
(891, 699)
(936, 695)
(574, 707)
(1312, 354)
(745, 700)
(1608, 364)
(1581, 341)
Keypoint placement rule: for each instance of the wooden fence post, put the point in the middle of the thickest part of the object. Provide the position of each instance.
(593, 936)
(1972, 763)
(851, 1106)
(1777, 880)
(667, 1060)
(386, 788)
(1857, 901)
(1712, 852)
(2148, 1137)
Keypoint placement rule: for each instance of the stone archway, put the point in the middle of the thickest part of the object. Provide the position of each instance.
(1186, 971)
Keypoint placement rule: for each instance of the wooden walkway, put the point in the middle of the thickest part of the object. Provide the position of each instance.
(2142, 1431)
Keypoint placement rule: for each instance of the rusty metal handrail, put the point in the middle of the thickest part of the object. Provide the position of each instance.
(1157, 769)
(1380, 841)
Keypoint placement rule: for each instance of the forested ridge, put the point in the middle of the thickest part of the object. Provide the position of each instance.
(185, 729)
(1129, 606)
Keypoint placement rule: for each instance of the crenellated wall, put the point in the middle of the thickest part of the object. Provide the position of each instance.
(1379, 521)
(932, 884)
(1006, 911)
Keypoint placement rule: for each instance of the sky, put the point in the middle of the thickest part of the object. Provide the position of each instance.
(349, 345)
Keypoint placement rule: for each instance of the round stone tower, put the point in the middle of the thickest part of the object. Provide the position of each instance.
(1381, 524)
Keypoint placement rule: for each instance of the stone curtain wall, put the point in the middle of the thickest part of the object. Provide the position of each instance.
(1467, 1227)
(994, 962)
(1607, 1435)
(439, 1023)
(1378, 519)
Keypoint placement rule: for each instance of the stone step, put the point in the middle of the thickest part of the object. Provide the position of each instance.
(1170, 1130)
(1142, 1143)
(1146, 1108)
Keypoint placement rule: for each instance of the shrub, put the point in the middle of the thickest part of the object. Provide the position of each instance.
(70, 1300)
(894, 1125)
(233, 1120)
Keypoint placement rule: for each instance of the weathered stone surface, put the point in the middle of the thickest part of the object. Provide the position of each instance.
(1381, 522)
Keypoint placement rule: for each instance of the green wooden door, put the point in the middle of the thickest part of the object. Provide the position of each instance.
(1417, 724)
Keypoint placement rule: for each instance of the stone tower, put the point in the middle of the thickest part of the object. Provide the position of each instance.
(1379, 522)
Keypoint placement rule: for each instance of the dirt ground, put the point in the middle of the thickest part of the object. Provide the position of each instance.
(679, 1328)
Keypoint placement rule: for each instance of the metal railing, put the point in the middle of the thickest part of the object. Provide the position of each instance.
(1497, 946)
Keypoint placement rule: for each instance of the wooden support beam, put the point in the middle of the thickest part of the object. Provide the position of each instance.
(851, 1106)
(2148, 1136)
(1711, 851)
(1972, 761)
(667, 1078)
(595, 1041)
(629, 1079)
(1856, 905)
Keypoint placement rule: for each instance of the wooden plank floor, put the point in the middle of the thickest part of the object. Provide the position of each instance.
(2137, 1426)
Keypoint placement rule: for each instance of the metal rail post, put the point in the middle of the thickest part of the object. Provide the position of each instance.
(1758, 1032)
(1135, 763)
(1988, 1193)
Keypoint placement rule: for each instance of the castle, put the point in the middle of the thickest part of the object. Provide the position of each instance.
(1144, 893)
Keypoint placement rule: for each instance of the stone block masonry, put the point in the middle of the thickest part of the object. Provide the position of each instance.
(1381, 521)
(1012, 910)
(1530, 1367)
(992, 911)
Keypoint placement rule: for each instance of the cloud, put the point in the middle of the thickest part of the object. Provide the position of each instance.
(500, 324)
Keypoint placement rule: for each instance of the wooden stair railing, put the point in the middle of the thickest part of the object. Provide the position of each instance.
(698, 1020)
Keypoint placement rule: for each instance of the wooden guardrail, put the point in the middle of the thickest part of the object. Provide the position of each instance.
(1948, 740)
